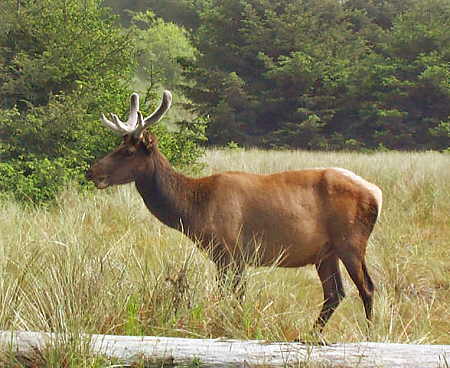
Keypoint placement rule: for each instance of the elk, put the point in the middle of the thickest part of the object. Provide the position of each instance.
(314, 216)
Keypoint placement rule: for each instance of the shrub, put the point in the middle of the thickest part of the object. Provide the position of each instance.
(183, 147)
(48, 147)
(63, 62)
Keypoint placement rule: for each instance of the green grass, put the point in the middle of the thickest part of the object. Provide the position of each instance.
(101, 263)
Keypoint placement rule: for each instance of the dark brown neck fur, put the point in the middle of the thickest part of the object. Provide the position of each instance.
(169, 195)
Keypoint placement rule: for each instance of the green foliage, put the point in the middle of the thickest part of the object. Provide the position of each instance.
(270, 85)
(182, 12)
(41, 155)
(406, 86)
(62, 63)
(306, 133)
(55, 46)
(375, 73)
(48, 146)
(132, 325)
(442, 134)
(323, 75)
(378, 15)
(36, 180)
(232, 145)
(183, 147)
(159, 45)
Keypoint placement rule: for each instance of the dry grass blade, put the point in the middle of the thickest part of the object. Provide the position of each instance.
(103, 264)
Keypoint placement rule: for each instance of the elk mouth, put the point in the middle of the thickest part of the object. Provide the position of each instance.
(104, 182)
(101, 182)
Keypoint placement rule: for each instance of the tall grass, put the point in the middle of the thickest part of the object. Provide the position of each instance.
(100, 263)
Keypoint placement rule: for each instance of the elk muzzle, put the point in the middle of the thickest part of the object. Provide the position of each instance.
(100, 181)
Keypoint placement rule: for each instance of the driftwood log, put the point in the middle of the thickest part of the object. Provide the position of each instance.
(236, 353)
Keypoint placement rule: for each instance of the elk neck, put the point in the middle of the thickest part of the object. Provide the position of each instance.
(168, 194)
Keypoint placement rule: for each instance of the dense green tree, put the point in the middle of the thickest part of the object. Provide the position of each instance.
(182, 12)
(381, 12)
(159, 46)
(324, 74)
(403, 90)
(62, 62)
(272, 68)
(50, 47)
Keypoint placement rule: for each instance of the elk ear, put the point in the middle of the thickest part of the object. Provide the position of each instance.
(148, 140)
(131, 142)
(127, 139)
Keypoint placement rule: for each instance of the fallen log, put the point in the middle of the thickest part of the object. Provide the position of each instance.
(235, 353)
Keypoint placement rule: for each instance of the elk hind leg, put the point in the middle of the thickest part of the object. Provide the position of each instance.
(333, 290)
(357, 269)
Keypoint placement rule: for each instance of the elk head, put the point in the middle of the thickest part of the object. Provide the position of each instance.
(123, 164)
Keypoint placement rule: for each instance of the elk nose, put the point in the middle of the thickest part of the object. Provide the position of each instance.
(89, 175)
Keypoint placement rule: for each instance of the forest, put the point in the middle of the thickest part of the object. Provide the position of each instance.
(301, 74)
(321, 74)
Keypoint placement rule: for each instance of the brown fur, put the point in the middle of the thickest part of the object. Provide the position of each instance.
(294, 218)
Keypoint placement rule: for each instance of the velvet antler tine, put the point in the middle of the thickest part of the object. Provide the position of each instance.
(135, 123)
(109, 124)
(161, 110)
(134, 108)
(157, 114)
(140, 120)
(124, 128)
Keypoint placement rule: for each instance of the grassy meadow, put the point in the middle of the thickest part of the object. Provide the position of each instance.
(101, 263)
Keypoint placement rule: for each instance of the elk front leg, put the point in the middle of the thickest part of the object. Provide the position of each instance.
(229, 273)
(333, 290)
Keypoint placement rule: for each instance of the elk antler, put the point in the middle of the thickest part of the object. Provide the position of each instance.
(135, 124)
(120, 127)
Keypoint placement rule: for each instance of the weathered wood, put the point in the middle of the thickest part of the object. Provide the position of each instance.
(236, 353)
